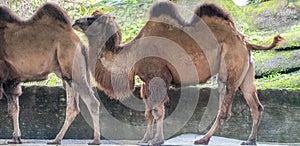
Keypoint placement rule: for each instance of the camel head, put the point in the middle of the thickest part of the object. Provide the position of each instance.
(82, 24)
(101, 27)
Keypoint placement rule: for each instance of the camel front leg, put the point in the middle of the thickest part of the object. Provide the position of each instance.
(148, 115)
(158, 114)
(13, 93)
(150, 122)
(71, 113)
(154, 96)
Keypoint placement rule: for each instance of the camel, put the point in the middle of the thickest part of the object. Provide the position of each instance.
(170, 51)
(31, 49)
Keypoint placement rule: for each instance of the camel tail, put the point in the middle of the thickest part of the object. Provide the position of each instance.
(275, 42)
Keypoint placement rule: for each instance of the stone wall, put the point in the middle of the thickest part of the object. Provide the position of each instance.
(43, 113)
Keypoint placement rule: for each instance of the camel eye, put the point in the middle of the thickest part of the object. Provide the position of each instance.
(90, 20)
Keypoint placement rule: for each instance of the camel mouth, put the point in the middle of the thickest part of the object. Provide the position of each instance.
(76, 27)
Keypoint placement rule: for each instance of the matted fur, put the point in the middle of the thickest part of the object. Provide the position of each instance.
(210, 10)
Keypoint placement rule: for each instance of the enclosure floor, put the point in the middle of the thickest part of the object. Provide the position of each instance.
(182, 140)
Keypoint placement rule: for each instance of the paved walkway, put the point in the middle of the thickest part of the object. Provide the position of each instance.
(182, 140)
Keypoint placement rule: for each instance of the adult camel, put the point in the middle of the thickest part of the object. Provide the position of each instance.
(31, 49)
(170, 51)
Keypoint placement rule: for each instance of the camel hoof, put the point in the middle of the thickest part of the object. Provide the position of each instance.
(54, 142)
(145, 140)
(249, 142)
(156, 142)
(95, 142)
(201, 142)
(142, 143)
(15, 140)
(155, 114)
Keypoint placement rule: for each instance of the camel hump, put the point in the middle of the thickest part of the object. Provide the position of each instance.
(166, 8)
(53, 11)
(7, 15)
(211, 10)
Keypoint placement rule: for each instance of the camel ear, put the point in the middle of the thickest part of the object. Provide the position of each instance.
(96, 27)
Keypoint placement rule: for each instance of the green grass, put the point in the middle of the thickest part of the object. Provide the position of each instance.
(279, 81)
(52, 80)
(257, 8)
(292, 36)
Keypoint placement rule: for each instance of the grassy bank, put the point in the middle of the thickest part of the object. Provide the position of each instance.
(131, 15)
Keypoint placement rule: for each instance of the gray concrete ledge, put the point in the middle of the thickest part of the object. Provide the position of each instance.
(43, 113)
(181, 140)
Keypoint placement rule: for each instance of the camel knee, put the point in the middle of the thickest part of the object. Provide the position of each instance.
(13, 105)
(157, 113)
(13, 108)
(148, 115)
(261, 108)
(94, 107)
(224, 116)
(72, 110)
(257, 111)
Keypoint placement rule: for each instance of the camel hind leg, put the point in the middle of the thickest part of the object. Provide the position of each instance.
(159, 115)
(230, 77)
(224, 113)
(93, 105)
(154, 94)
(75, 70)
(148, 115)
(82, 84)
(250, 94)
(71, 113)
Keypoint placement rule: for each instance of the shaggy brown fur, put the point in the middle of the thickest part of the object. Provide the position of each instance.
(48, 10)
(155, 56)
(210, 10)
(31, 49)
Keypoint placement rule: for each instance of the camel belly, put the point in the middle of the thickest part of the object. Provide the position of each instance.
(32, 67)
(31, 53)
(191, 72)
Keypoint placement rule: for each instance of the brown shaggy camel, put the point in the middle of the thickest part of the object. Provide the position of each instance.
(170, 51)
(31, 49)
